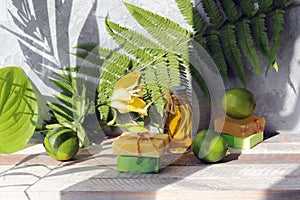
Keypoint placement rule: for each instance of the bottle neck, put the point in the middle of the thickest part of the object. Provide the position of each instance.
(180, 99)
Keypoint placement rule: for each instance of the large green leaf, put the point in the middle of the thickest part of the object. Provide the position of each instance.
(18, 110)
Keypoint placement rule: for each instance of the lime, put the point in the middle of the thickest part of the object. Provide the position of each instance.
(209, 146)
(238, 103)
(61, 143)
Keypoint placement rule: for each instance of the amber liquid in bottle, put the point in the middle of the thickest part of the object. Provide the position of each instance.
(178, 120)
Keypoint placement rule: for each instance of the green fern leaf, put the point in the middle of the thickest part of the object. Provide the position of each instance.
(191, 15)
(136, 39)
(152, 87)
(166, 32)
(232, 52)
(246, 43)
(283, 3)
(259, 33)
(230, 10)
(212, 11)
(215, 50)
(198, 78)
(265, 5)
(247, 7)
(277, 21)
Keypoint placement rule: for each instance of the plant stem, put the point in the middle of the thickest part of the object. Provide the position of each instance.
(45, 127)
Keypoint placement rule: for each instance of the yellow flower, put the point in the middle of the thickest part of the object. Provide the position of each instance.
(124, 97)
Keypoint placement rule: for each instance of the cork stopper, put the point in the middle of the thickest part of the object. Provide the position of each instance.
(178, 90)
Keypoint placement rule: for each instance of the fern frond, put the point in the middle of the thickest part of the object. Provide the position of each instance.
(246, 43)
(277, 21)
(212, 11)
(197, 77)
(232, 52)
(215, 50)
(283, 3)
(168, 33)
(136, 39)
(230, 10)
(191, 15)
(265, 5)
(247, 7)
(152, 87)
(260, 35)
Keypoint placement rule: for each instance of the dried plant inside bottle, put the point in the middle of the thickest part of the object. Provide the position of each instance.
(178, 120)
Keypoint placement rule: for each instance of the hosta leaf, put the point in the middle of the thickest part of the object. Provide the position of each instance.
(18, 110)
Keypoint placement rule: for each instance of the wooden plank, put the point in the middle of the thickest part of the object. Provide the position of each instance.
(270, 148)
(282, 138)
(185, 185)
(241, 158)
(195, 195)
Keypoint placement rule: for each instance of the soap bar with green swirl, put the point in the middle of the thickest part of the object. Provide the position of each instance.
(136, 164)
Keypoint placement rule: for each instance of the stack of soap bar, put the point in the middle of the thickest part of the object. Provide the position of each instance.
(138, 164)
(140, 152)
(241, 133)
(244, 143)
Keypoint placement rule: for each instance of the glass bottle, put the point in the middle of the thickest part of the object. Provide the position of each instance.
(178, 120)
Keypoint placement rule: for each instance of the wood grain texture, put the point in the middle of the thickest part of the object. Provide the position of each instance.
(270, 170)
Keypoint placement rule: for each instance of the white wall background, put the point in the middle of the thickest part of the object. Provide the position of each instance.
(52, 28)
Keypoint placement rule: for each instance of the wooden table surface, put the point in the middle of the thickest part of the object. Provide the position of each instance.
(270, 170)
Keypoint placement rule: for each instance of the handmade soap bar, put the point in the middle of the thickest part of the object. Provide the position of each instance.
(140, 144)
(240, 127)
(244, 143)
(138, 164)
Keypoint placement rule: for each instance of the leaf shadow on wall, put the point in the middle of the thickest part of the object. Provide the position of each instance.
(45, 50)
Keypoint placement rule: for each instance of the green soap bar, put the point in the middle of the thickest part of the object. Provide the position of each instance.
(244, 143)
(138, 164)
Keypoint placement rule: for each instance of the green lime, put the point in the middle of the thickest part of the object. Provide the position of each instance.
(238, 103)
(61, 143)
(209, 146)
